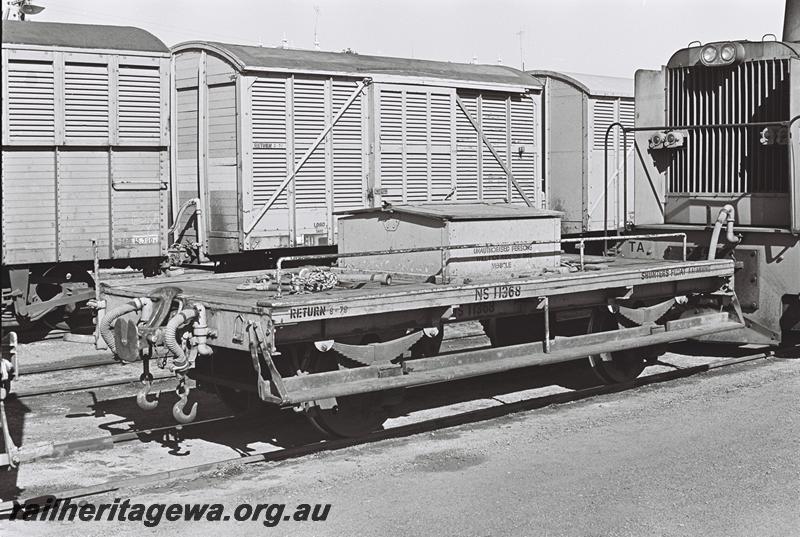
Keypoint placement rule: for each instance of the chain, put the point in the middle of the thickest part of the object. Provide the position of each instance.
(180, 389)
(313, 281)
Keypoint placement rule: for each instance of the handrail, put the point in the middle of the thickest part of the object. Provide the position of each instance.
(625, 130)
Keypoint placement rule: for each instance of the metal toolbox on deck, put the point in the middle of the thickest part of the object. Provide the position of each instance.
(504, 239)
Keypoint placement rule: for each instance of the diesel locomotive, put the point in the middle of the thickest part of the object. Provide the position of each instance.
(718, 157)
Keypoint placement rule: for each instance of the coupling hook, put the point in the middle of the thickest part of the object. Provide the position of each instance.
(178, 407)
(141, 397)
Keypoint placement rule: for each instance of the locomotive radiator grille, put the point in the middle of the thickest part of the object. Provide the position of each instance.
(722, 160)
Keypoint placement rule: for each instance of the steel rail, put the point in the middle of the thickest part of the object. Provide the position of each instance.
(82, 386)
(72, 364)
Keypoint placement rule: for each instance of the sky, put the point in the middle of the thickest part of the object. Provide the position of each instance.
(605, 37)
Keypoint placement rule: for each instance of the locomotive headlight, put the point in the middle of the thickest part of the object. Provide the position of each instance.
(721, 54)
(656, 140)
(675, 139)
(709, 54)
(667, 139)
(727, 52)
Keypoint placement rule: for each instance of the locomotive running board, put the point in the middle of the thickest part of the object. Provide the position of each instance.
(305, 388)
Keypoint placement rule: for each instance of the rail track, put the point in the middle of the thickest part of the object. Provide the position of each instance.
(87, 386)
(76, 363)
(280, 454)
(61, 449)
(93, 362)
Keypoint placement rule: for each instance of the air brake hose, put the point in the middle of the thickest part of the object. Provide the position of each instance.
(726, 216)
(731, 237)
(107, 332)
(170, 335)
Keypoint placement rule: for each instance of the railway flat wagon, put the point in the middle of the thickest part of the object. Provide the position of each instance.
(85, 141)
(578, 111)
(340, 343)
(271, 143)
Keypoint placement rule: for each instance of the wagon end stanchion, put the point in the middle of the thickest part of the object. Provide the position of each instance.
(98, 304)
(544, 305)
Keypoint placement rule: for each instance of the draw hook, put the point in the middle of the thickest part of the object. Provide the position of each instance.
(141, 397)
(178, 407)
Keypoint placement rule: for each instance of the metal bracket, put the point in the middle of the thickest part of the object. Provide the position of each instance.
(132, 339)
(11, 456)
(737, 307)
(238, 329)
(19, 279)
(628, 292)
(258, 344)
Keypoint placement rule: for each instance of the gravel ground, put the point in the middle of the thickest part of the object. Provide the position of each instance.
(713, 454)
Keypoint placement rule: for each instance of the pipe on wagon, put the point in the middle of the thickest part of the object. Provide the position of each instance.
(726, 216)
(142, 304)
(170, 335)
(201, 231)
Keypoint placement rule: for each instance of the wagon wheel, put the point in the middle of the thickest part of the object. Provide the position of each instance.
(603, 368)
(354, 415)
(618, 366)
(231, 365)
(63, 317)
